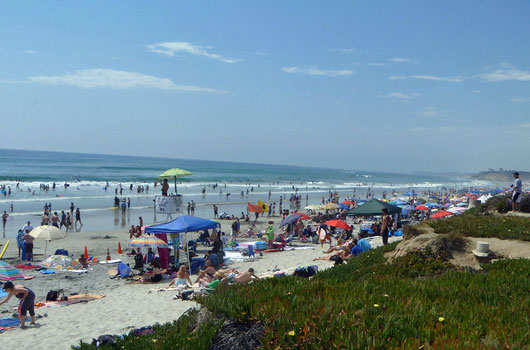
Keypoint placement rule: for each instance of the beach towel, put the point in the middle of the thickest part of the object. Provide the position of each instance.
(106, 262)
(47, 272)
(3, 294)
(72, 299)
(8, 323)
(27, 267)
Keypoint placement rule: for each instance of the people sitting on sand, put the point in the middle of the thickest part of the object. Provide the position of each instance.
(341, 245)
(363, 243)
(26, 301)
(246, 276)
(206, 275)
(183, 277)
(155, 275)
(83, 261)
(342, 253)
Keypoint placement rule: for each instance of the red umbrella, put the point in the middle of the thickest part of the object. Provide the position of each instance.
(303, 217)
(348, 203)
(421, 207)
(339, 224)
(441, 214)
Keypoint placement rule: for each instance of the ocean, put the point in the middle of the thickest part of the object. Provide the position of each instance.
(82, 179)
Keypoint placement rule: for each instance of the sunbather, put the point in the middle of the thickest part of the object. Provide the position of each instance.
(155, 275)
(183, 277)
(339, 246)
(207, 275)
(246, 276)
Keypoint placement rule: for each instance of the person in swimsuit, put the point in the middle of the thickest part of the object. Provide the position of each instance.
(207, 275)
(183, 277)
(156, 274)
(26, 301)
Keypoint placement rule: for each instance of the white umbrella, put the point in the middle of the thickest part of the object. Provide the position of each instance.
(47, 233)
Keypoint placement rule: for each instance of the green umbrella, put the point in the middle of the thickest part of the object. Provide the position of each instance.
(173, 174)
(373, 207)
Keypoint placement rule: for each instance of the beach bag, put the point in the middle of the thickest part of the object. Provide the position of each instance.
(103, 340)
(52, 295)
(303, 272)
(312, 269)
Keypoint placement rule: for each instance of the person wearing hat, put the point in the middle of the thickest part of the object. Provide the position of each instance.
(26, 303)
(517, 192)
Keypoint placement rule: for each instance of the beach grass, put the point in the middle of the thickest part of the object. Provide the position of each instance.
(419, 301)
(474, 224)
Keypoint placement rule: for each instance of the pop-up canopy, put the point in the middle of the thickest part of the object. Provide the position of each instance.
(183, 223)
(373, 207)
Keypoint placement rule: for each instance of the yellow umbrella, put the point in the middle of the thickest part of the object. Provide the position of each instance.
(173, 174)
(330, 206)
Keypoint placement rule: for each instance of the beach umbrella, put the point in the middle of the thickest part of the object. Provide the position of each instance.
(461, 205)
(304, 216)
(339, 224)
(329, 206)
(47, 233)
(343, 206)
(9, 273)
(147, 242)
(374, 207)
(290, 219)
(348, 202)
(441, 214)
(172, 174)
(422, 207)
(61, 262)
(313, 207)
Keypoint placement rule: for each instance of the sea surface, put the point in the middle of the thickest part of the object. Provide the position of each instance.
(82, 179)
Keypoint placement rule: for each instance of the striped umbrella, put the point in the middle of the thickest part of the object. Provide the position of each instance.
(148, 242)
(9, 273)
(61, 262)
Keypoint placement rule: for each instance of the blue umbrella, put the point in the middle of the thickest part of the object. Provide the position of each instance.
(290, 219)
(344, 206)
(409, 193)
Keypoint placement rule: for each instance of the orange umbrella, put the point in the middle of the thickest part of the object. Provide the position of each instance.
(252, 208)
(441, 214)
(339, 224)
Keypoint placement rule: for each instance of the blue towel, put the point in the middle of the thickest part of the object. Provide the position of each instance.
(47, 272)
(9, 322)
(3, 294)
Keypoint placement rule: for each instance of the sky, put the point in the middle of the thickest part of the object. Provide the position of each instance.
(397, 86)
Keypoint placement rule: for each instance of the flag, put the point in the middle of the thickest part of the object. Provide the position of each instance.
(263, 206)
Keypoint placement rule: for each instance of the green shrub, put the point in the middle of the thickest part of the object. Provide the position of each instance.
(503, 227)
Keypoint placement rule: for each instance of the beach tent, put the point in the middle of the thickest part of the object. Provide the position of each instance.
(182, 224)
(172, 174)
(373, 207)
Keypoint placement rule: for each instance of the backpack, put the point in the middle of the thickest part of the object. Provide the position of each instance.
(52, 295)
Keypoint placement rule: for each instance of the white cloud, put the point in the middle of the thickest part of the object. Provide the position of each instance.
(402, 60)
(431, 111)
(113, 79)
(506, 72)
(30, 52)
(176, 47)
(520, 99)
(377, 64)
(341, 50)
(403, 96)
(455, 79)
(317, 71)
(261, 53)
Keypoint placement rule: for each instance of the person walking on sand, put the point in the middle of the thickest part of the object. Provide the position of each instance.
(26, 301)
(517, 192)
(192, 205)
(385, 227)
(215, 211)
(4, 219)
(78, 217)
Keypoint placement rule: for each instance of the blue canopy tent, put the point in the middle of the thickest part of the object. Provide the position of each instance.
(182, 224)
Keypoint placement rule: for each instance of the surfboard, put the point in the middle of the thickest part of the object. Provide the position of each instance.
(4, 250)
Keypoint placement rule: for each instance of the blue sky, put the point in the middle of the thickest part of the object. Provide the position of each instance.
(376, 85)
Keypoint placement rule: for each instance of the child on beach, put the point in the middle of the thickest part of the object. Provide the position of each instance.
(183, 277)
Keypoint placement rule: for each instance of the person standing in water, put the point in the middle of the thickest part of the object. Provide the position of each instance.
(78, 217)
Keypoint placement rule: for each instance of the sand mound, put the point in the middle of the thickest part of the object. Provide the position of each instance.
(461, 248)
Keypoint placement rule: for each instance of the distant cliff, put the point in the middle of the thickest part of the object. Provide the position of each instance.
(500, 175)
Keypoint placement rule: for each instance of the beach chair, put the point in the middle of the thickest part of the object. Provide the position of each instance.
(124, 270)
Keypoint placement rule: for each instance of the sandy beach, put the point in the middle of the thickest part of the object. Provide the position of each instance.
(124, 306)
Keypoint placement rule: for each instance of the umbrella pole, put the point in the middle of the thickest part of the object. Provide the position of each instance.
(175, 185)
(45, 249)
